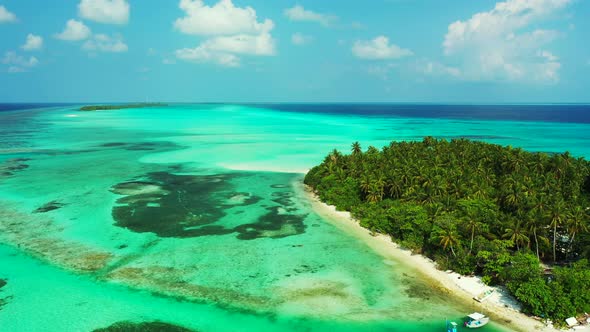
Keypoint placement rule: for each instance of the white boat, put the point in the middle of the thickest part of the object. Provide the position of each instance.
(484, 296)
(476, 320)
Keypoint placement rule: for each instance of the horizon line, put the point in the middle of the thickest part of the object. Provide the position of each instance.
(465, 103)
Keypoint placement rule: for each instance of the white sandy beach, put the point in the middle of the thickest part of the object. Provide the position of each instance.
(501, 307)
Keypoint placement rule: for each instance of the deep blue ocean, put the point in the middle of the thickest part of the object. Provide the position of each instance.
(575, 113)
(26, 106)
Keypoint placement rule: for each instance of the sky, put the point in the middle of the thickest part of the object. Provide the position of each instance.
(427, 51)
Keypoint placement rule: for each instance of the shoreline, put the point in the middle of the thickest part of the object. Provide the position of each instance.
(500, 307)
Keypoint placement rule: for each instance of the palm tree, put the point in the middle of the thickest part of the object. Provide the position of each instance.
(395, 189)
(446, 233)
(472, 224)
(366, 181)
(449, 238)
(538, 163)
(341, 174)
(577, 221)
(539, 206)
(556, 217)
(375, 193)
(429, 141)
(335, 156)
(356, 148)
(533, 223)
(516, 235)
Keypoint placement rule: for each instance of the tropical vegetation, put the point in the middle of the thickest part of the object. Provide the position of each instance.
(516, 218)
(119, 106)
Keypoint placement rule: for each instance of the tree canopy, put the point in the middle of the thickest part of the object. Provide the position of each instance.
(119, 106)
(476, 208)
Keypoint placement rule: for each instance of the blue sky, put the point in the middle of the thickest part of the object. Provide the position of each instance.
(295, 51)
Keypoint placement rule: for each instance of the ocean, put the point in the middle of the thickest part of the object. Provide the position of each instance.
(194, 214)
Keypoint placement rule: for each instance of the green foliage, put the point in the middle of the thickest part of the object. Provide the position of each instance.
(559, 296)
(494, 260)
(576, 281)
(522, 268)
(118, 106)
(409, 222)
(476, 208)
(536, 297)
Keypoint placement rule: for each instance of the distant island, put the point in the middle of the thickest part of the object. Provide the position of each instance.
(118, 107)
(515, 218)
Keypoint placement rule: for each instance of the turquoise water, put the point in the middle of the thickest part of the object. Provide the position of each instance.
(195, 215)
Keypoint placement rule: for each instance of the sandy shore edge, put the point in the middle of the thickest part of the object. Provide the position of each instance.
(500, 307)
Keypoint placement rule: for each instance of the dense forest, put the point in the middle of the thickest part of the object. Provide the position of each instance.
(119, 106)
(516, 218)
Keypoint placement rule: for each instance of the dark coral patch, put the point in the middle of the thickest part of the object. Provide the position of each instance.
(11, 166)
(53, 205)
(143, 327)
(143, 146)
(181, 206)
(274, 224)
(171, 205)
(113, 144)
(17, 167)
(283, 198)
(211, 230)
(3, 301)
(175, 168)
(418, 290)
(146, 146)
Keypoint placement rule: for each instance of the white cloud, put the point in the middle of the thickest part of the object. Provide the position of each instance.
(201, 54)
(433, 68)
(168, 61)
(262, 44)
(105, 11)
(300, 39)
(33, 43)
(298, 13)
(221, 19)
(18, 63)
(232, 31)
(222, 50)
(6, 16)
(506, 43)
(378, 49)
(104, 43)
(74, 31)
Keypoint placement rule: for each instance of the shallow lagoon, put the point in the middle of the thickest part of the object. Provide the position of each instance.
(194, 215)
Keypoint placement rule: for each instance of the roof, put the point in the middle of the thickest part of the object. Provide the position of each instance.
(476, 316)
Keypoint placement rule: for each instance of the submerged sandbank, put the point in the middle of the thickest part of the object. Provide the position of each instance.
(500, 307)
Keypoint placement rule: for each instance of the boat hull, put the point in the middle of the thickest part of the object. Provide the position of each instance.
(475, 324)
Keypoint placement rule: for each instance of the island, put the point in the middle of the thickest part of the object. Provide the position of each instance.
(517, 219)
(88, 108)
